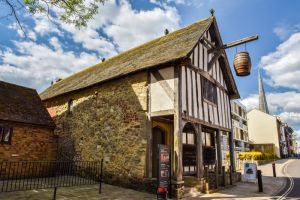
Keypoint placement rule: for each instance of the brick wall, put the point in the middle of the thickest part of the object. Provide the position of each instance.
(29, 143)
(108, 121)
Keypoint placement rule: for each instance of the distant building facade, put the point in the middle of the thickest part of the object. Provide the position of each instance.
(26, 128)
(240, 127)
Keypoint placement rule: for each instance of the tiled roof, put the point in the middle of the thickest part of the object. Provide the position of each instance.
(171, 47)
(21, 104)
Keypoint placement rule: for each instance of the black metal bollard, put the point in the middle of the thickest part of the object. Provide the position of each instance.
(54, 195)
(274, 169)
(230, 175)
(223, 176)
(259, 180)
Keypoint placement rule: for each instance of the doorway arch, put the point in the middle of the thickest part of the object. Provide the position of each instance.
(189, 150)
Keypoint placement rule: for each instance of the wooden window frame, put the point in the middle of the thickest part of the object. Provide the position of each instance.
(204, 140)
(2, 134)
(209, 91)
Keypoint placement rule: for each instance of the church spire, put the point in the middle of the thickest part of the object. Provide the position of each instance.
(263, 106)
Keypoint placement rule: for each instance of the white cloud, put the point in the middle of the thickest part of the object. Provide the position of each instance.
(36, 65)
(284, 104)
(117, 27)
(163, 3)
(283, 65)
(284, 30)
(29, 33)
(291, 118)
(285, 101)
(129, 28)
(45, 25)
(125, 27)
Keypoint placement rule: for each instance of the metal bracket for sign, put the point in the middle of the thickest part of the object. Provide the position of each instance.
(164, 168)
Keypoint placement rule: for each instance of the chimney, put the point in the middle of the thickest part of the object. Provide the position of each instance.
(166, 31)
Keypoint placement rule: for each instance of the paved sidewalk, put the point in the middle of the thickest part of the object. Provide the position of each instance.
(249, 191)
(89, 192)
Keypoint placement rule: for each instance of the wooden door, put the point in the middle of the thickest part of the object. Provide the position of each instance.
(158, 137)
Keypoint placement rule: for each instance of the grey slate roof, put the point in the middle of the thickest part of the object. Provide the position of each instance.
(21, 104)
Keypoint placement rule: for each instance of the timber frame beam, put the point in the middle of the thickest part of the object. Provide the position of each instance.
(233, 44)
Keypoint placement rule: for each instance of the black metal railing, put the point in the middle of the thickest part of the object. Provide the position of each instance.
(29, 175)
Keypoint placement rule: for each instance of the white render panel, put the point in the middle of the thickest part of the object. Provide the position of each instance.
(158, 92)
(201, 57)
(195, 108)
(196, 60)
(229, 115)
(189, 91)
(218, 71)
(226, 109)
(183, 89)
(211, 114)
(216, 115)
(205, 107)
(223, 108)
(199, 97)
(219, 107)
(205, 58)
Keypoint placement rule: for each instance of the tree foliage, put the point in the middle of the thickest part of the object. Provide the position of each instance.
(77, 12)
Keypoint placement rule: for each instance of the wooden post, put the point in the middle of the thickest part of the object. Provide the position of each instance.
(199, 153)
(223, 176)
(231, 152)
(216, 175)
(177, 136)
(219, 150)
(206, 179)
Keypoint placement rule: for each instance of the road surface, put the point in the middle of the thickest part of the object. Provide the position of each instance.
(292, 171)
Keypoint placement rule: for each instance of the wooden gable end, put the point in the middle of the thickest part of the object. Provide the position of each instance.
(194, 104)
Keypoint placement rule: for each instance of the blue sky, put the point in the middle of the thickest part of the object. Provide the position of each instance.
(58, 50)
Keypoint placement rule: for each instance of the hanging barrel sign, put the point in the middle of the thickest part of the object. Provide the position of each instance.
(242, 64)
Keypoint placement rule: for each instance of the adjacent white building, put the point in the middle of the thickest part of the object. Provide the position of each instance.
(264, 131)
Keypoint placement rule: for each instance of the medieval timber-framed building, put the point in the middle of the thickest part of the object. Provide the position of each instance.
(174, 90)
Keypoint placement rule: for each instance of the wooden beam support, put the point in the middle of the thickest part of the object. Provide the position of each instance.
(205, 44)
(213, 60)
(208, 42)
(233, 44)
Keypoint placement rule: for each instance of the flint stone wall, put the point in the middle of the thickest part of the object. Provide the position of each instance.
(108, 121)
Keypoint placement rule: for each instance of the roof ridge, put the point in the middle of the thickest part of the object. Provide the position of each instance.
(20, 86)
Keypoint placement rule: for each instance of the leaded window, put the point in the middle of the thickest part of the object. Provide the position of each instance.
(5, 135)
